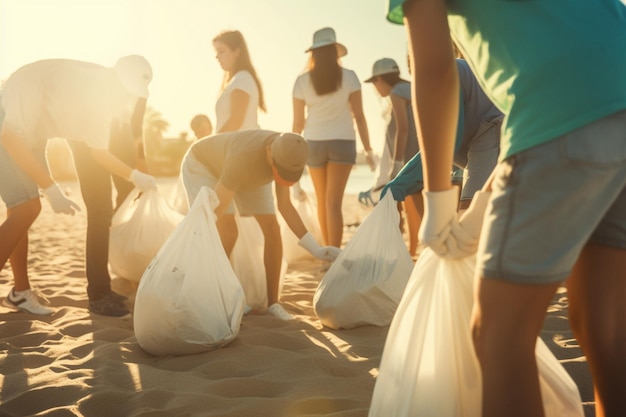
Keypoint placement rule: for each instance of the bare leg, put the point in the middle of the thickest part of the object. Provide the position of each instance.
(414, 220)
(227, 228)
(273, 254)
(507, 319)
(14, 242)
(336, 181)
(597, 314)
(318, 177)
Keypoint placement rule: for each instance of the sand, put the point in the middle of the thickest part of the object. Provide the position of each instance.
(74, 363)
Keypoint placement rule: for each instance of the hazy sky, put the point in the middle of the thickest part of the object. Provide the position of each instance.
(175, 36)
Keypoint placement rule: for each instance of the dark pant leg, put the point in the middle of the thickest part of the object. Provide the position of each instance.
(122, 146)
(95, 186)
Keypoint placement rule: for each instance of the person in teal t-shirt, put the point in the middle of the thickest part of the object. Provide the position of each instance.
(555, 208)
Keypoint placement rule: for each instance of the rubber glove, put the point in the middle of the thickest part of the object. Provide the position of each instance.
(365, 198)
(408, 181)
(142, 181)
(464, 237)
(370, 158)
(58, 202)
(439, 218)
(395, 169)
(324, 253)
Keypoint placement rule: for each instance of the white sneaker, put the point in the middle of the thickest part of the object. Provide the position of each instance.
(246, 309)
(278, 311)
(27, 301)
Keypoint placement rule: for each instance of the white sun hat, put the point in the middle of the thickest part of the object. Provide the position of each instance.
(135, 73)
(383, 66)
(325, 37)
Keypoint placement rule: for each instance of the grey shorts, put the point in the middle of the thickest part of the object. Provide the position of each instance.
(195, 175)
(16, 187)
(338, 151)
(550, 200)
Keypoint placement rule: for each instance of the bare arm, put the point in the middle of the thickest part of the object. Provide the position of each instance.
(239, 100)
(402, 126)
(356, 104)
(289, 212)
(298, 116)
(23, 156)
(435, 88)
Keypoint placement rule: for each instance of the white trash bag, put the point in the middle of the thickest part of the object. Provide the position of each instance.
(178, 197)
(247, 261)
(139, 227)
(429, 368)
(365, 283)
(189, 299)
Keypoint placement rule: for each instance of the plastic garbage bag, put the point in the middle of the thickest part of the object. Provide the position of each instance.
(365, 283)
(429, 368)
(189, 299)
(142, 223)
(246, 259)
(178, 197)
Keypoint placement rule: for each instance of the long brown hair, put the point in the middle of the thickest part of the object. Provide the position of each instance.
(234, 40)
(326, 73)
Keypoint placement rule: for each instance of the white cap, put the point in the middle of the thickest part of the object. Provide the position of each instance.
(135, 73)
(325, 37)
(383, 66)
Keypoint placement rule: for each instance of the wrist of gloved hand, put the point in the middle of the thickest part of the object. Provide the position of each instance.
(439, 216)
(143, 182)
(325, 253)
(58, 201)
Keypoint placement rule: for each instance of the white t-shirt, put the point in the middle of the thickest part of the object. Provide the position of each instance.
(243, 81)
(63, 98)
(329, 115)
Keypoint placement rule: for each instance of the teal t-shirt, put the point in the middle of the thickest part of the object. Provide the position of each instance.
(551, 66)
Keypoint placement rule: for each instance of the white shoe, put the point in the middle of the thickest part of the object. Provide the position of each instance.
(246, 309)
(27, 301)
(278, 311)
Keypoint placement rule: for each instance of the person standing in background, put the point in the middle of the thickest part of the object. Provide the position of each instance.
(331, 97)
(401, 129)
(241, 92)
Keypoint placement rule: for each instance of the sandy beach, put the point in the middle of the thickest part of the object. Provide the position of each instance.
(74, 363)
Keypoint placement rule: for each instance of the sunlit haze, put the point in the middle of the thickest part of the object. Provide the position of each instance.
(175, 36)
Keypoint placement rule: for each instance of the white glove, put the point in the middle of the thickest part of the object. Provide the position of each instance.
(397, 166)
(325, 253)
(142, 181)
(439, 218)
(463, 240)
(370, 158)
(298, 192)
(60, 203)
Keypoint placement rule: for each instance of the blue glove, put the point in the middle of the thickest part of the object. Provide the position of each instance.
(365, 198)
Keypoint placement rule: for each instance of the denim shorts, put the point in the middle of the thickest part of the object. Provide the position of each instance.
(195, 175)
(339, 151)
(551, 200)
(16, 187)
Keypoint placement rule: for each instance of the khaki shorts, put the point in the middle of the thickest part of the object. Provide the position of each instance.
(550, 200)
(195, 175)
